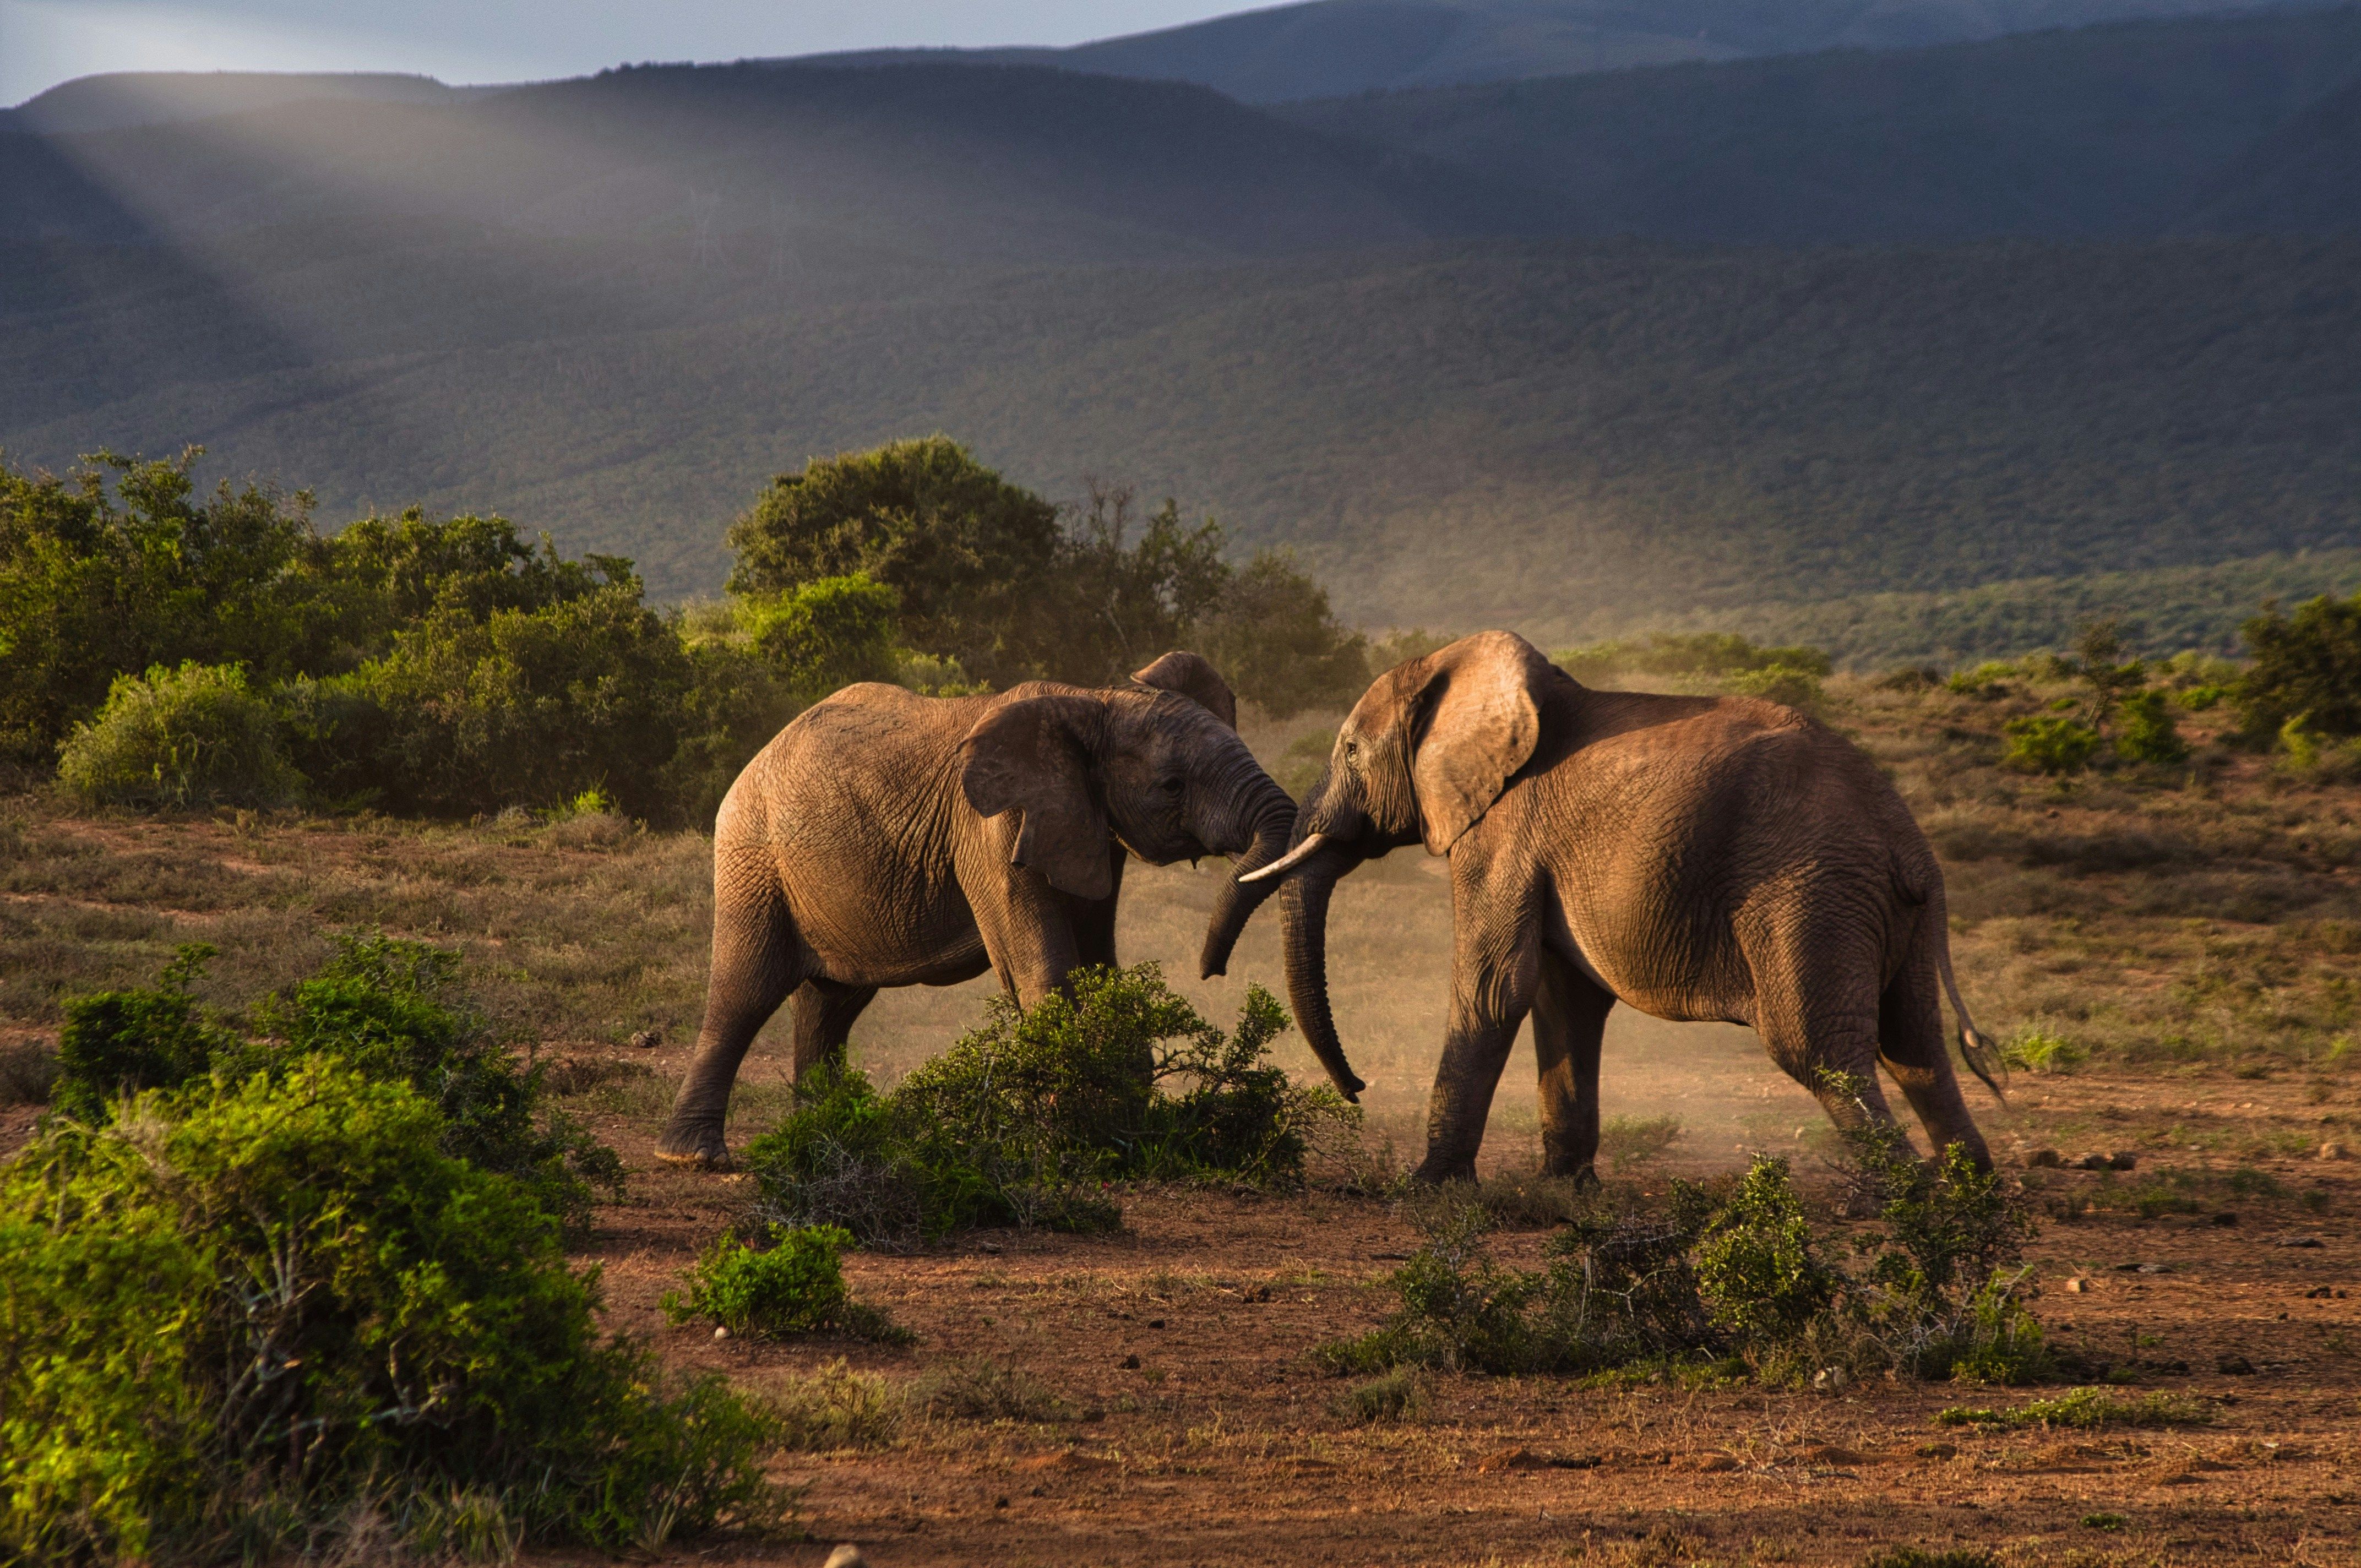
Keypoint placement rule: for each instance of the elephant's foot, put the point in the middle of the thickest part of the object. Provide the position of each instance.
(694, 1143)
(1437, 1170)
(1583, 1176)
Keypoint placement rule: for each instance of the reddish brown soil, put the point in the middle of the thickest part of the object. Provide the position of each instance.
(1221, 1445)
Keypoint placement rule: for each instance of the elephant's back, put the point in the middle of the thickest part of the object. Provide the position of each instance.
(868, 751)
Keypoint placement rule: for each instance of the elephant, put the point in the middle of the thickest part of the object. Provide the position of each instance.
(884, 838)
(1695, 858)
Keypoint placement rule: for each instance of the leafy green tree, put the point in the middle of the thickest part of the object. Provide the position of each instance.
(970, 554)
(827, 634)
(1275, 637)
(122, 566)
(2306, 666)
(1123, 601)
(526, 706)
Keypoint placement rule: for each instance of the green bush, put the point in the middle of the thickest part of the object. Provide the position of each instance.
(238, 1318)
(2089, 1409)
(2038, 1050)
(2148, 732)
(1031, 1115)
(1710, 657)
(2049, 743)
(1731, 1270)
(966, 551)
(391, 1010)
(796, 1286)
(119, 1042)
(1778, 683)
(827, 634)
(191, 737)
(1272, 634)
(1757, 1270)
(529, 707)
(2306, 665)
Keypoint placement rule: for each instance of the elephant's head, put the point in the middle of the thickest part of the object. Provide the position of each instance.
(1422, 755)
(1156, 768)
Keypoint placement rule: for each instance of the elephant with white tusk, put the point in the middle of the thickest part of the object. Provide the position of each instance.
(1696, 858)
(885, 839)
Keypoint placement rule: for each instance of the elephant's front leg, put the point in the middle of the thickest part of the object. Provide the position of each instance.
(1569, 1023)
(1496, 967)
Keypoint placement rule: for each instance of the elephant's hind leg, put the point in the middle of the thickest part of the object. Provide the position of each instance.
(1569, 1020)
(756, 963)
(1910, 1035)
(1815, 1007)
(825, 1011)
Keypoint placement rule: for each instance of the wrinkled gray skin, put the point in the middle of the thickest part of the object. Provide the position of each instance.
(1696, 858)
(885, 839)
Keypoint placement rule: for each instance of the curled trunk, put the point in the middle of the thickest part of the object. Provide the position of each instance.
(1304, 903)
(1274, 826)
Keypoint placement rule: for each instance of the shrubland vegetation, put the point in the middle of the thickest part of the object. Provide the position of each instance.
(170, 648)
(304, 1292)
(1029, 1117)
(1730, 1276)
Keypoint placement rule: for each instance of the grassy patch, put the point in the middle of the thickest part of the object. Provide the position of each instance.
(2087, 1410)
(836, 1408)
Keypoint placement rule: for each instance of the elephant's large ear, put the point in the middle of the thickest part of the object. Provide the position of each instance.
(1030, 755)
(1195, 679)
(1481, 722)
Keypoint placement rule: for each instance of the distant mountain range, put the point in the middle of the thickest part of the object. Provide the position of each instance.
(1331, 48)
(2130, 129)
(2015, 328)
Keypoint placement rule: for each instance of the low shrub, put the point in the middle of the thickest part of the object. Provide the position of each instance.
(1031, 1115)
(394, 1010)
(2049, 743)
(1730, 1270)
(119, 1042)
(794, 1286)
(29, 1073)
(179, 739)
(982, 1389)
(836, 1408)
(1395, 1396)
(236, 1319)
(2089, 1409)
(1634, 1140)
(1918, 1557)
(2146, 731)
(2038, 1050)
(1778, 683)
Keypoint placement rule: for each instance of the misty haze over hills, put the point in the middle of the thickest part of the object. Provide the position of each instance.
(1456, 345)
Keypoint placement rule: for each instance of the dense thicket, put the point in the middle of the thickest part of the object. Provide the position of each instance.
(304, 1294)
(173, 649)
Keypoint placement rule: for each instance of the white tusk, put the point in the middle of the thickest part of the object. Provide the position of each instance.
(1288, 862)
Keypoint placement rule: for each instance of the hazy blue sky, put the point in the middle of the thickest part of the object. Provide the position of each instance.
(43, 42)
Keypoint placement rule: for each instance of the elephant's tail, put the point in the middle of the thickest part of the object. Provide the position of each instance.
(1981, 1055)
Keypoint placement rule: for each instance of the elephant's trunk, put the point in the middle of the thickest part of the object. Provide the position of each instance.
(1305, 905)
(1274, 824)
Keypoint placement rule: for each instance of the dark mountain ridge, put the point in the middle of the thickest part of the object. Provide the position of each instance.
(2117, 131)
(1330, 48)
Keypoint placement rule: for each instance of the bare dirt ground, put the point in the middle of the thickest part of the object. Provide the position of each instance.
(2196, 936)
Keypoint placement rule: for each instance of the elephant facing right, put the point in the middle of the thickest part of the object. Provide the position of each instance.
(1700, 858)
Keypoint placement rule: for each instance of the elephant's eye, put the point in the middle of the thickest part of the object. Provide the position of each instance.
(1173, 786)
(1351, 751)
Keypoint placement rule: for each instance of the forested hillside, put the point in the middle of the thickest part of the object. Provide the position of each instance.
(2214, 123)
(613, 308)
